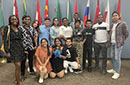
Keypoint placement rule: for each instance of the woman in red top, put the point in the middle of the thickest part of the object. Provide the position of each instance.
(43, 54)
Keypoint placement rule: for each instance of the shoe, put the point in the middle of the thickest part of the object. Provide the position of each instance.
(22, 78)
(96, 68)
(71, 70)
(66, 71)
(32, 73)
(78, 71)
(40, 80)
(116, 75)
(89, 69)
(104, 72)
(111, 71)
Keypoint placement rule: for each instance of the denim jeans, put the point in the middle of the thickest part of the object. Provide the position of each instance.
(116, 56)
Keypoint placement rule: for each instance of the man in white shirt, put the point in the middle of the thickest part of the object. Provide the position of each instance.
(101, 36)
(65, 30)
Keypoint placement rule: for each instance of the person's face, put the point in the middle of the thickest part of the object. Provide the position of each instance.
(56, 22)
(35, 24)
(68, 42)
(14, 20)
(76, 16)
(65, 22)
(115, 17)
(58, 43)
(88, 24)
(77, 24)
(44, 43)
(27, 21)
(47, 23)
(100, 18)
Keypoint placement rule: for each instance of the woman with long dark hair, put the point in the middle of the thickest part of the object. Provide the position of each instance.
(43, 65)
(54, 30)
(13, 45)
(59, 54)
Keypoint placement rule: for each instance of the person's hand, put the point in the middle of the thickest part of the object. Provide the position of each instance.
(26, 52)
(107, 45)
(43, 66)
(79, 66)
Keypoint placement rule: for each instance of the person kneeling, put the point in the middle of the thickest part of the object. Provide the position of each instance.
(43, 65)
(72, 60)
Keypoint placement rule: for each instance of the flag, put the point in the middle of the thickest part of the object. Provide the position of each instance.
(76, 7)
(15, 11)
(1, 18)
(24, 8)
(87, 12)
(68, 11)
(38, 13)
(46, 9)
(97, 11)
(58, 14)
(119, 9)
(107, 13)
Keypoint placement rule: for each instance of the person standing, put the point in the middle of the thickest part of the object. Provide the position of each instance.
(13, 45)
(29, 38)
(54, 30)
(77, 40)
(66, 31)
(87, 44)
(117, 36)
(101, 37)
(45, 31)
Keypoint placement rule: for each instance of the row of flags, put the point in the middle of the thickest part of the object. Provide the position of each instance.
(58, 14)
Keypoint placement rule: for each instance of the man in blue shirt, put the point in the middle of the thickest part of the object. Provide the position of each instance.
(45, 31)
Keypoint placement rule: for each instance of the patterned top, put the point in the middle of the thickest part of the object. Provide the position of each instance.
(27, 40)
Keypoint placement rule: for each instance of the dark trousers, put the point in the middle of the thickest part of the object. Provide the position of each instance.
(87, 51)
(30, 58)
(100, 47)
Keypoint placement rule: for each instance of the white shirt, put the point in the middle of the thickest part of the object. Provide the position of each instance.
(101, 34)
(66, 31)
(113, 40)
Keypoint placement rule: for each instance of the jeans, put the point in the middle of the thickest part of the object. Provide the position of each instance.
(116, 56)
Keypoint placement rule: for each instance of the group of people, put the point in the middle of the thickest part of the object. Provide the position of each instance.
(55, 50)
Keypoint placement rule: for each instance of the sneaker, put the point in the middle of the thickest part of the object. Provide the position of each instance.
(22, 78)
(116, 75)
(32, 73)
(111, 71)
(40, 80)
(71, 70)
(78, 71)
(66, 71)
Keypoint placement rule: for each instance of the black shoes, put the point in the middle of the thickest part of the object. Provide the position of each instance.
(89, 69)
(96, 68)
(22, 78)
(32, 73)
(104, 72)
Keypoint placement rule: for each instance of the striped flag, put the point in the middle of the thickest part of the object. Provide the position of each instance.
(68, 11)
(38, 13)
(76, 7)
(46, 9)
(15, 11)
(119, 9)
(24, 8)
(97, 11)
(87, 12)
(107, 13)
(58, 14)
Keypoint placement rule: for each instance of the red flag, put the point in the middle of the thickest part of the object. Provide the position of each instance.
(38, 13)
(107, 13)
(76, 7)
(15, 11)
(46, 9)
(97, 11)
(119, 8)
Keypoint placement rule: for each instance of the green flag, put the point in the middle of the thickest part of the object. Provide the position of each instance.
(24, 8)
(58, 14)
(68, 12)
(1, 19)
